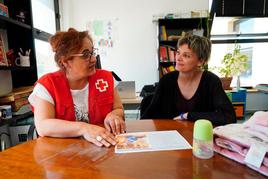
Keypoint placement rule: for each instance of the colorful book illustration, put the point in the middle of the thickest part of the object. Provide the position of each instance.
(135, 141)
(150, 141)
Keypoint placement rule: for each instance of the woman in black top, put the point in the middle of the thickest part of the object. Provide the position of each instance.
(190, 93)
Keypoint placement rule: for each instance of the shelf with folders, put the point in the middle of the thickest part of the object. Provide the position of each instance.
(167, 59)
(167, 53)
(167, 62)
(170, 31)
(166, 69)
(17, 41)
(173, 29)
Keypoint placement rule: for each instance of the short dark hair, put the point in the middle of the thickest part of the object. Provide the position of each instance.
(200, 45)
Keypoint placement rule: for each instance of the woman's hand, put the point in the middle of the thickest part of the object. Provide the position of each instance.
(114, 124)
(98, 135)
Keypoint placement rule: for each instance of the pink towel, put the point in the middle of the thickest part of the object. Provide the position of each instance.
(234, 141)
(236, 148)
(239, 158)
(225, 143)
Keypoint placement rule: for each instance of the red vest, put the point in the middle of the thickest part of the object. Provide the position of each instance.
(100, 95)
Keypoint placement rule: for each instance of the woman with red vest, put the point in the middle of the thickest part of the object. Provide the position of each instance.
(76, 99)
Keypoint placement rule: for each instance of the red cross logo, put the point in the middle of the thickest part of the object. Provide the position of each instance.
(101, 85)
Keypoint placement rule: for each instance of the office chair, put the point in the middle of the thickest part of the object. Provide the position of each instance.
(98, 62)
(145, 103)
(116, 77)
(32, 133)
(98, 66)
(147, 93)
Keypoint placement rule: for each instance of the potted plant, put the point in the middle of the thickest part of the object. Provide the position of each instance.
(234, 64)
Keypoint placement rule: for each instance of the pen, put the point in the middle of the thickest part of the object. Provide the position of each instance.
(21, 51)
(27, 53)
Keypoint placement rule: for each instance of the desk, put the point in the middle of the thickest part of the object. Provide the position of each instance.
(132, 107)
(77, 158)
(131, 103)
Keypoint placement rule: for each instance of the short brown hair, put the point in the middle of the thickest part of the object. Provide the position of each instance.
(66, 43)
(200, 45)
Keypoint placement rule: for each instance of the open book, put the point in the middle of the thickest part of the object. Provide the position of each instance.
(150, 141)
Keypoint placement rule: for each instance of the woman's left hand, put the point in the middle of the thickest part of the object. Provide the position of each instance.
(115, 124)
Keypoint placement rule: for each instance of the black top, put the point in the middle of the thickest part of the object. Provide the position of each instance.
(209, 101)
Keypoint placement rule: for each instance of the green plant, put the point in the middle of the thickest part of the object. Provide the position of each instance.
(234, 64)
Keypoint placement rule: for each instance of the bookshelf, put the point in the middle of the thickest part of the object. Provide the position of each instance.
(17, 34)
(170, 30)
(18, 30)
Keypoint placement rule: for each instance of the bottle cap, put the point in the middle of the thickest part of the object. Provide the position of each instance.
(203, 130)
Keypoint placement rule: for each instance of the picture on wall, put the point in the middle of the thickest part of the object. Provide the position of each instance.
(104, 34)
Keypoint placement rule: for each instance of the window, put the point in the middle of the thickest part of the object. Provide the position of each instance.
(43, 22)
(45, 56)
(44, 27)
(252, 35)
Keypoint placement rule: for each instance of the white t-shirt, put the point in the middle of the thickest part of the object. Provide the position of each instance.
(80, 99)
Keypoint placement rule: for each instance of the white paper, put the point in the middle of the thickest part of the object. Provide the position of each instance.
(151, 141)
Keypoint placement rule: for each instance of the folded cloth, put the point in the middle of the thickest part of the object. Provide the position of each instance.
(232, 146)
(258, 125)
(239, 151)
(258, 118)
(234, 141)
(239, 158)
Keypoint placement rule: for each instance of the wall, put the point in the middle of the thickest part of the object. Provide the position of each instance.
(134, 56)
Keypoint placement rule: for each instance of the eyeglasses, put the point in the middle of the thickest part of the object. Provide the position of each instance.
(86, 54)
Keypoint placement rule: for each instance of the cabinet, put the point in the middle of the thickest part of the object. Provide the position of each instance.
(19, 31)
(238, 99)
(170, 30)
(19, 35)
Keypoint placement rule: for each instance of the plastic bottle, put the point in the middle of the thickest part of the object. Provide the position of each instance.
(203, 139)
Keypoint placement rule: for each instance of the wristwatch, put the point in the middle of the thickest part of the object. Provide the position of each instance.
(182, 116)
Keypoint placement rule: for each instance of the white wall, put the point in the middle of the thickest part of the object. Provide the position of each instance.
(134, 56)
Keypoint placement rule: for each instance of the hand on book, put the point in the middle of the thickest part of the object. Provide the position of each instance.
(114, 124)
(98, 135)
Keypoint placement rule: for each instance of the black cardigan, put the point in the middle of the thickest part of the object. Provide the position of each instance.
(209, 101)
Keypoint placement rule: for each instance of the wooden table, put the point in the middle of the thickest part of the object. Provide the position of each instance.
(77, 158)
